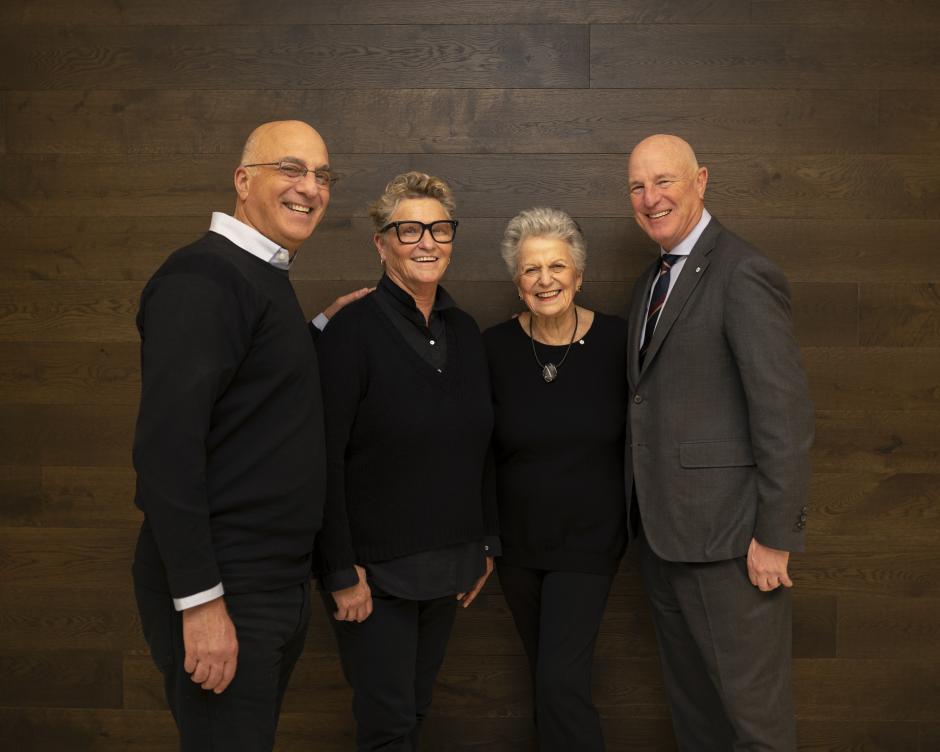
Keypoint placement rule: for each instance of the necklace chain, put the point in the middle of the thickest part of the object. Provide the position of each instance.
(550, 370)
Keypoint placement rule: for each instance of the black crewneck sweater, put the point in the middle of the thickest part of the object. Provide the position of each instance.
(559, 448)
(406, 444)
(229, 448)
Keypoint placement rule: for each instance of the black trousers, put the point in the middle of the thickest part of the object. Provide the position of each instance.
(558, 615)
(391, 661)
(725, 648)
(271, 628)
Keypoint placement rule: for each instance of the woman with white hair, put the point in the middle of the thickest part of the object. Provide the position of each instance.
(558, 375)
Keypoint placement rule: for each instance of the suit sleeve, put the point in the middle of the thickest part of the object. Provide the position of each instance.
(343, 381)
(193, 337)
(759, 328)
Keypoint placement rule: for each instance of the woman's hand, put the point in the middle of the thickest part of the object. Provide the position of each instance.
(468, 598)
(354, 603)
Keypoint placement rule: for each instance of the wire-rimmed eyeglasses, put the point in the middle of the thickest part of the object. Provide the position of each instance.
(293, 171)
(410, 231)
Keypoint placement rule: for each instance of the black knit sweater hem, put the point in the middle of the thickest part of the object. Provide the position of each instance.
(396, 549)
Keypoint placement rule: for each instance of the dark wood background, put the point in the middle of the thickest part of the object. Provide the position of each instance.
(120, 125)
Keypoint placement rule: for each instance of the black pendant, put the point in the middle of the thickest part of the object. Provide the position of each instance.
(549, 372)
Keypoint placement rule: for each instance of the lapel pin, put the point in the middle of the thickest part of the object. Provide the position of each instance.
(698, 269)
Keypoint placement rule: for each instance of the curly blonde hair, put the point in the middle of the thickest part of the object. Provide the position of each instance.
(410, 185)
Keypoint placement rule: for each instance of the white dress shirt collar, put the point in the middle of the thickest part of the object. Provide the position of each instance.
(688, 242)
(249, 239)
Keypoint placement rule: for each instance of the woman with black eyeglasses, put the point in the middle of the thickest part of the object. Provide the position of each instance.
(410, 522)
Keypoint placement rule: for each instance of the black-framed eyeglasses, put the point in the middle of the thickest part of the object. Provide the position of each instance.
(293, 171)
(411, 231)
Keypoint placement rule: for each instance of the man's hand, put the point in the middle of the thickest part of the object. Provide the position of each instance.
(354, 603)
(467, 598)
(344, 300)
(211, 645)
(767, 567)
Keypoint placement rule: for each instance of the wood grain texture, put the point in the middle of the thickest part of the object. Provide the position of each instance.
(876, 13)
(293, 57)
(57, 312)
(491, 120)
(853, 378)
(42, 624)
(871, 511)
(908, 630)
(41, 561)
(755, 187)
(93, 248)
(82, 435)
(829, 568)
(805, 57)
(131, 248)
(874, 689)
(908, 120)
(100, 497)
(384, 12)
(858, 735)
(900, 315)
(929, 736)
(815, 622)
(3, 122)
(83, 678)
(91, 730)
(876, 440)
(19, 493)
(69, 373)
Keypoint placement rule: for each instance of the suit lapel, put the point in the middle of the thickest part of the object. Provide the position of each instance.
(692, 271)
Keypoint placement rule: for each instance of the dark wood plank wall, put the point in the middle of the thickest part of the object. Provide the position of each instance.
(120, 123)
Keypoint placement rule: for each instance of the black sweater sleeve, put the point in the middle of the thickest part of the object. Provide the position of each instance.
(490, 498)
(194, 334)
(343, 381)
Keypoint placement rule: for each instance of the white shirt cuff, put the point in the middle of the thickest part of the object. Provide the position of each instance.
(197, 599)
(320, 321)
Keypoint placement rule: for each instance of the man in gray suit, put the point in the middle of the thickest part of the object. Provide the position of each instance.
(719, 433)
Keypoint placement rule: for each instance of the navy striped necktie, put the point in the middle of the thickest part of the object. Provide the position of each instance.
(658, 299)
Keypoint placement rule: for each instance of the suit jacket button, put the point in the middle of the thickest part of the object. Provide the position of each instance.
(637, 399)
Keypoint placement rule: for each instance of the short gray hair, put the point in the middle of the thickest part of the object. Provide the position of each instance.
(542, 222)
(410, 185)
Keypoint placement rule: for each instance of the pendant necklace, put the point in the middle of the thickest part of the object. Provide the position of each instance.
(550, 370)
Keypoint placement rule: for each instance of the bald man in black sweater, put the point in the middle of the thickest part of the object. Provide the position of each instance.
(229, 451)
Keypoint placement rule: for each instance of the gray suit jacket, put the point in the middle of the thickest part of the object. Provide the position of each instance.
(720, 421)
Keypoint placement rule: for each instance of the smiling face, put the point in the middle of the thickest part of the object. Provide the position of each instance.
(546, 276)
(415, 266)
(283, 210)
(667, 189)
